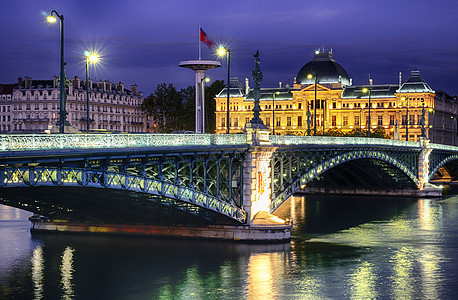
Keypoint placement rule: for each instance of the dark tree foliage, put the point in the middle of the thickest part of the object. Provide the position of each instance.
(174, 110)
(210, 104)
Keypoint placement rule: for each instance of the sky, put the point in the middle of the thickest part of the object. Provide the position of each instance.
(142, 41)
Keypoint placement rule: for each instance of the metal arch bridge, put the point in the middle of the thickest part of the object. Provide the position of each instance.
(203, 175)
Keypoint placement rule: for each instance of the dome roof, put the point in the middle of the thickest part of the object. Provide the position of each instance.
(326, 69)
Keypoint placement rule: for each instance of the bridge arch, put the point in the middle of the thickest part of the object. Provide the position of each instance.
(341, 158)
(441, 164)
(80, 177)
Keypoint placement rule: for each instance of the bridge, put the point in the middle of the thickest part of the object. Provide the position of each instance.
(206, 181)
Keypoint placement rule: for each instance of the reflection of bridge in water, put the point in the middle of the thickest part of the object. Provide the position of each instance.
(209, 181)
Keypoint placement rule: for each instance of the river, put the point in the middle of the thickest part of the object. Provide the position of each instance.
(342, 248)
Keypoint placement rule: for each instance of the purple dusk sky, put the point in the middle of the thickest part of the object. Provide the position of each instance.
(143, 41)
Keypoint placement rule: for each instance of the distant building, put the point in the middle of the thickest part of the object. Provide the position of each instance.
(32, 106)
(343, 106)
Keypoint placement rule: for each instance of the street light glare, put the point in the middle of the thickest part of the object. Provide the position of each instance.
(309, 76)
(365, 90)
(51, 19)
(221, 51)
(92, 56)
(207, 79)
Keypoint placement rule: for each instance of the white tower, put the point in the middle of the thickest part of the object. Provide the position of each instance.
(200, 66)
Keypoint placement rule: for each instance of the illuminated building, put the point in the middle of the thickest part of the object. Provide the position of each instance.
(32, 106)
(342, 106)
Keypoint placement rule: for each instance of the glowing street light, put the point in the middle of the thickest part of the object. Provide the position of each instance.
(202, 102)
(62, 114)
(273, 111)
(221, 52)
(407, 117)
(91, 57)
(310, 76)
(366, 90)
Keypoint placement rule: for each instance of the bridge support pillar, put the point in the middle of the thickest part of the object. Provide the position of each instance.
(257, 173)
(423, 163)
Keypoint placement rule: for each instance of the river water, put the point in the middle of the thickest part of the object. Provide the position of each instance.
(342, 248)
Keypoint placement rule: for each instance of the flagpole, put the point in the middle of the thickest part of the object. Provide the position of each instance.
(200, 50)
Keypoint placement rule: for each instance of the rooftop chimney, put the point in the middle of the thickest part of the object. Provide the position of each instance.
(133, 88)
(28, 82)
(400, 79)
(247, 86)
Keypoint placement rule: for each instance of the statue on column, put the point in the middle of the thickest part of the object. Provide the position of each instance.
(256, 75)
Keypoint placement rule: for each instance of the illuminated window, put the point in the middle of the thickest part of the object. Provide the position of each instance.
(391, 120)
(380, 120)
(299, 121)
(277, 121)
(236, 122)
(288, 121)
(345, 121)
(356, 120)
(267, 121)
(411, 119)
(223, 122)
(334, 121)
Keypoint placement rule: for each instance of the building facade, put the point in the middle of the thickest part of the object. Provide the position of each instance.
(32, 106)
(323, 98)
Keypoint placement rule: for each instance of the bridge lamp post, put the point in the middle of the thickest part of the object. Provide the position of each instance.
(221, 52)
(360, 111)
(62, 113)
(366, 90)
(202, 100)
(91, 57)
(273, 111)
(433, 112)
(454, 130)
(407, 117)
(310, 76)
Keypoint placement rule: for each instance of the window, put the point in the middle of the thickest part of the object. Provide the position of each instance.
(267, 121)
(300, 105)
(334, 121)
(380, 121)
(391, 120)
(419, 119)
(288, 121)
(356, 120)
(345, 121)
(404, 118)
(277, 121)
(299, 121)
(411, 119)
(236, 122)
(247, 120)
(223, 122)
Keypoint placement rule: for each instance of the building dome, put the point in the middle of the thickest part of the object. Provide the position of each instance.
(324, 66)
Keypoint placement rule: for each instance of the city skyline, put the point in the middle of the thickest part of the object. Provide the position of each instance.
(143, 43)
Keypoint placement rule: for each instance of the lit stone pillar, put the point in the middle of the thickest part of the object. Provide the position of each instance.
(257, 173)
(423, 163)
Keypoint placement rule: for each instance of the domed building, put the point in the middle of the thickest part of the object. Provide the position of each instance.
(325, 68)
(334, 105)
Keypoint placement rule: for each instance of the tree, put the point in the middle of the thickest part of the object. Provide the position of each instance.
(210, 104)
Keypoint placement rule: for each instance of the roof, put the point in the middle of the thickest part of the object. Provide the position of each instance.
(326, 69)
(267, 94)
(236, 89)
(415, 84)
(7, 88)
(377, 91)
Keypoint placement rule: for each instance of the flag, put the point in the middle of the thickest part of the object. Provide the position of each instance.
(204, 38)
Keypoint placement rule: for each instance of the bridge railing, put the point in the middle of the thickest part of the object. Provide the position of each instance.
(75, 141)
(444, 147)
(337, 140)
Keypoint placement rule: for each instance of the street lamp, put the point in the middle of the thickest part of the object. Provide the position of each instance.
(360, 111)
(202, 102)
(366, 90)
(407, 117)
(221, 52)
(309, 76)
(273, 111)
(62, 114)
(433, 112)
(454, 130)
(93, 58)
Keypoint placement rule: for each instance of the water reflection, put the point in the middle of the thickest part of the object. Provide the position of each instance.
(37, 272)
(66, 271)
(342, 248)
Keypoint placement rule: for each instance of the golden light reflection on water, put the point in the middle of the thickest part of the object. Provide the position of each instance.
(38, 261)
(429, 216)
(431, 272)
(66, 271)
(260, 277)
(403, 277)
(363, 282)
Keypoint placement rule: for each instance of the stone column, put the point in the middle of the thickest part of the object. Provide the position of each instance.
(423, 163)
(257, 172)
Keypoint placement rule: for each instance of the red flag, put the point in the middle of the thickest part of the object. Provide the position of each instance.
(204, 38)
